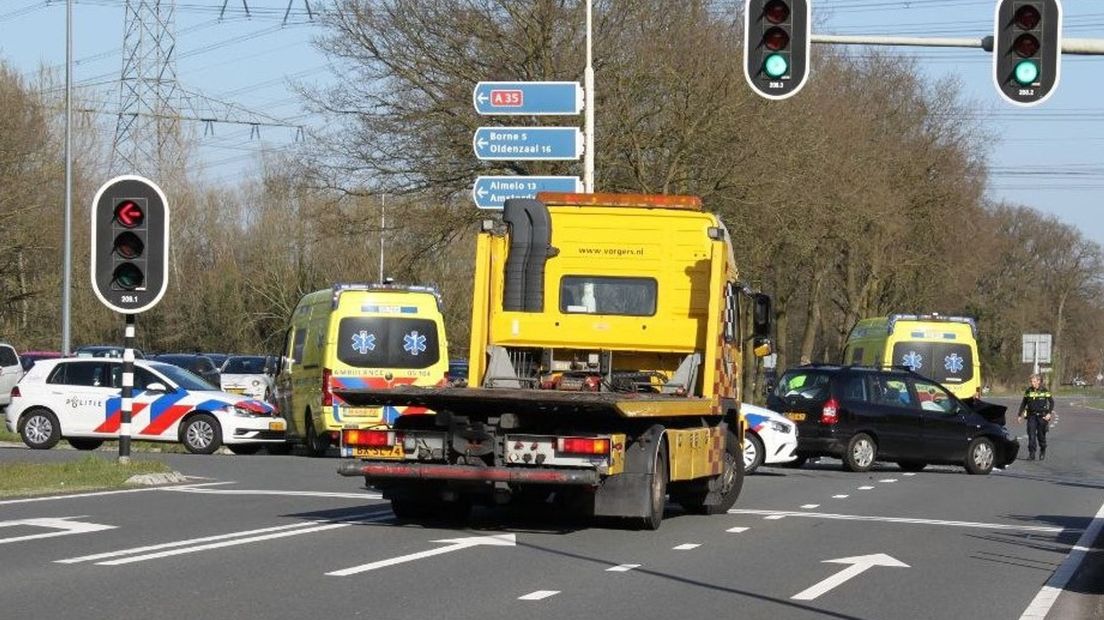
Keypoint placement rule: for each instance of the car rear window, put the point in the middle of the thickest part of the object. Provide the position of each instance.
(244, 366)
(8, 357)
(388, 342)
(803, 385)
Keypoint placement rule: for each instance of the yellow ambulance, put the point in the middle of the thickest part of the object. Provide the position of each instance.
(356, 336)
(940, 347)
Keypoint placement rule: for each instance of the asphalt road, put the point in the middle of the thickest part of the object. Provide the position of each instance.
(286, 537)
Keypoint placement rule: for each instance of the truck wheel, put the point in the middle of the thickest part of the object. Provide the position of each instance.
(724, 488)
(317, 444)
(657, 491)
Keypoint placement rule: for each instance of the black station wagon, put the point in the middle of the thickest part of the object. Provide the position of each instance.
(862, 415)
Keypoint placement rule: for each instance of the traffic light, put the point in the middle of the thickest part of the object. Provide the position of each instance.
(776, 46)
(130, 244)
(1027, 50)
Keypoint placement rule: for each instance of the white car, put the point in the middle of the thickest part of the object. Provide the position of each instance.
(770, 438)
(11, 371)
(78, 399)
(245, 374)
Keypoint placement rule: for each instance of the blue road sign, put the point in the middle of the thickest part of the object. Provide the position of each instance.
(528, 143)
(527, 98)
(492, 192)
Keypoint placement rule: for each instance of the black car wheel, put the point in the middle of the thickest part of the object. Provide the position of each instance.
(861, 453)
(40, 429)
(980, 456)
(84, 443)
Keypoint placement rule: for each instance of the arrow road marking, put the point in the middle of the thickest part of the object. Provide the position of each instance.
(64, 524)
(454, 544)
(859, 565)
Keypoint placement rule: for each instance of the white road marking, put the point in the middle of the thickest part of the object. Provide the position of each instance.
(622, 568)
(686, 546)
(276, 492)
(50, 498)
(866, 488)
(781, 514)
(889, 480)
(774, 517)
(63, 526)
(858, 566)
(1044, 600)
(840, 496)
(193, 545)
(538, 595)
(736, 530)
(810, 506)
(910, 474)
(455, 544)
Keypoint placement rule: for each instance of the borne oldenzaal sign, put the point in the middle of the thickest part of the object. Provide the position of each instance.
(528, 143)
(493, 192)
(527, 98)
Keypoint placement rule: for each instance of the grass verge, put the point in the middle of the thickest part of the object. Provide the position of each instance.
(90, 472)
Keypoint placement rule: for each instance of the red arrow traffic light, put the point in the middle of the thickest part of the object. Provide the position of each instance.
(128, 214)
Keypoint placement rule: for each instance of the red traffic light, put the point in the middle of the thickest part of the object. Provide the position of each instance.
(776, 11)
(1026, 45)
(129, 214)
(1027, 17)
(776, 39)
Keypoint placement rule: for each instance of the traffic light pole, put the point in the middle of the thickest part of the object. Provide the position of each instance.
(1084, 47)
(126, 406)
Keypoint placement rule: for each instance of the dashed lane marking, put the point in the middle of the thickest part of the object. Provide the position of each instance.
(910, 474)
(622, 568)
(736, 530)
(782, 514)
(840, 496)
(686, 546)
(865, 488)
(810, 506)
(888, 480)
(538, 595)
(774, 517)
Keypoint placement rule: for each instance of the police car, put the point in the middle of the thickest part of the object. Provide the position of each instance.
(770, 438)
(78, 400)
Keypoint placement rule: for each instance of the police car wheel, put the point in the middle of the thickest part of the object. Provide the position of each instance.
(754, 452)
(84, 443)
(201, 434)
(40, 429)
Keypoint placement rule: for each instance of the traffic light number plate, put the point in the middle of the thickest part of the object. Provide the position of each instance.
(1027, 92)
(777, 85)
(128, 299)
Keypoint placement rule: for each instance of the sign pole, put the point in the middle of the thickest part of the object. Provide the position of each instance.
(126, 406)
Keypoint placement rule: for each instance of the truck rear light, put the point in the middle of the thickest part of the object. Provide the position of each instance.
(583, 445)
(327, 393)
(830, 413)
(369, 439)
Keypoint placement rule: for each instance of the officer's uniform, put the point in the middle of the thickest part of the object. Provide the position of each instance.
(1036, 406)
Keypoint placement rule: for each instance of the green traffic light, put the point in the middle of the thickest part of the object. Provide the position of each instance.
(775, 66)
(1027, 72)
(127, 277)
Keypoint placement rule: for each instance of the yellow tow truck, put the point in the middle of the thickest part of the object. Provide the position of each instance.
(605, 359)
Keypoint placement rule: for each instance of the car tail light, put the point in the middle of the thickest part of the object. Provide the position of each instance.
(370, 439)
(830, 413)
(327, 394)
(15, 392)
(583, 445)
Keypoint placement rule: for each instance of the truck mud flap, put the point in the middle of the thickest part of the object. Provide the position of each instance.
(430, 471)
(626, 494)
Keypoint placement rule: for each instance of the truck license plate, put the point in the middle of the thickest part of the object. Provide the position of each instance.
(394, 452)
(795, 416)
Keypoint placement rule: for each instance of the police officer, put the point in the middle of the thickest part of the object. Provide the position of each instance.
(1036, 408)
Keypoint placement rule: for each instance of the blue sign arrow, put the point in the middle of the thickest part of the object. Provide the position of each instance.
(528, 143)
(492, 192)
(527, 98)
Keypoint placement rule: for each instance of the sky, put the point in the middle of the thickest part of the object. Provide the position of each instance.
(1050, 157)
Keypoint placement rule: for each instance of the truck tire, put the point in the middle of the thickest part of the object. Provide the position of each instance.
(657, 491)
(724, 488)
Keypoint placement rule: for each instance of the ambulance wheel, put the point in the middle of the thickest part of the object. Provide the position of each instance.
(201, 434)
(317, 444)
(39, 429)
(84, 443)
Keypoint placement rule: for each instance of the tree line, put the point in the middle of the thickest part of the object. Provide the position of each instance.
(862, 196)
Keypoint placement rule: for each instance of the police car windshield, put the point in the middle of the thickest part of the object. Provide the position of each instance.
(182, 378)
